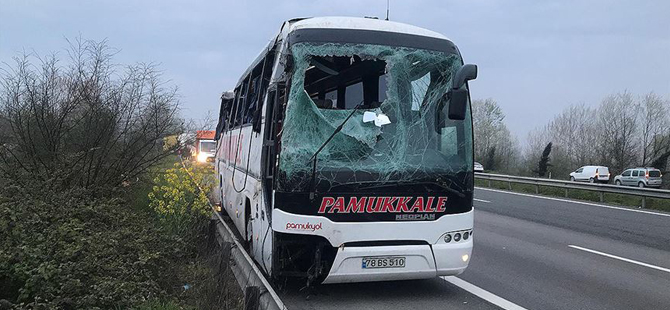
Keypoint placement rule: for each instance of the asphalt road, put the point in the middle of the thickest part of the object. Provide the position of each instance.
(419, 294)
(549, 254)
(536, 253)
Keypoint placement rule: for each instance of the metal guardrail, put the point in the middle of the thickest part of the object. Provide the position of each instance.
(258, 293)
(567, 185)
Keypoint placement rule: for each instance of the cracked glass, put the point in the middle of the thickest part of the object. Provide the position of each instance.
(399, 134)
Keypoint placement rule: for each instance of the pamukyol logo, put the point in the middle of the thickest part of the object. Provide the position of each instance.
(304, 226)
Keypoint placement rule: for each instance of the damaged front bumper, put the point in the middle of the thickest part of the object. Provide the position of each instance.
(424, 255)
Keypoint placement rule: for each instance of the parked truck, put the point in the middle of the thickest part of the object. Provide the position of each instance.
(205, 146)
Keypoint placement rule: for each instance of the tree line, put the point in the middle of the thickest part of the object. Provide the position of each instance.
(624, 131)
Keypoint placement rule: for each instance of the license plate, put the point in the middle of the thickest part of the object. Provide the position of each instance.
(383, 262)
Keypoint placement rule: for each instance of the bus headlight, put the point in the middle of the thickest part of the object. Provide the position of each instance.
(457, 236)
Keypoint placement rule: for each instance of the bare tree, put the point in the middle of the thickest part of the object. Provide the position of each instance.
(208, 122)
(487, 118)
(535, 140)
(617, 120)
(619, 133)
(508, 152)
(573, 133)
(84, 123)
(494, 144)
(655, 127)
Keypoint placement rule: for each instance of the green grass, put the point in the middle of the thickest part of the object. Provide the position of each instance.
(612, 199)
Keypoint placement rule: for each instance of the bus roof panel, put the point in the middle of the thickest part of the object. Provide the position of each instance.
(362, 24)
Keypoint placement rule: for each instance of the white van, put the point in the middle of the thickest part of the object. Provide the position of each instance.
(591, 174)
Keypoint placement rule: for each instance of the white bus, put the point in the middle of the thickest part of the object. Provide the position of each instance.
(344, 153)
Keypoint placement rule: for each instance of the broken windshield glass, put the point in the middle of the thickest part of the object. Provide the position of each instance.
(393, 136)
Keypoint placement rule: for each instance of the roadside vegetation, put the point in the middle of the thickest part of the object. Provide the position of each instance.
(624, 131)
(95, 211)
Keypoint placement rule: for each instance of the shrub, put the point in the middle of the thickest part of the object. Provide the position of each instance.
(178, 201)
(68, 250)
(83, 119)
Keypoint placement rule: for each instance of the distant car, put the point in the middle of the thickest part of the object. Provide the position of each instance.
(591, 174)
(479, 167)
(640, 177)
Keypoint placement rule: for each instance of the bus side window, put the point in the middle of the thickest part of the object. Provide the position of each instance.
(266, 74)
(242, 102)
(254, 90)
(233, 109)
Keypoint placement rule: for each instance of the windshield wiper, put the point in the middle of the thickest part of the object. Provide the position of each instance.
(313, 158)
(452, 183)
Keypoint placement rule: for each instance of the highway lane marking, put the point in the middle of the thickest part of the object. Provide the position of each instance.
(481, 200)
(483, 294)
(574, 201)
(620, 258)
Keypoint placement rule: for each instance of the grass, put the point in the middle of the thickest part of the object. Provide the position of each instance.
(612, 199)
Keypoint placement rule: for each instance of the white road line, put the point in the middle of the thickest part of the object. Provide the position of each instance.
(574, 201)
(483, 294)
(620, 258)
(481, 200)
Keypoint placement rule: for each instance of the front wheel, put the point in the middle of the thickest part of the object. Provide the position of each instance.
(617, 182)
(592, 180)
(640, 185)
(572, 179)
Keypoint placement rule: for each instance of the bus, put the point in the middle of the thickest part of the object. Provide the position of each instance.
(345, 153)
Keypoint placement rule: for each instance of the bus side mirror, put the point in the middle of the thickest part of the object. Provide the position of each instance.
(458, 95)
(458, 104)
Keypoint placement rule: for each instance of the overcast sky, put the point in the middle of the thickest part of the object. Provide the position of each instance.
(535, 57)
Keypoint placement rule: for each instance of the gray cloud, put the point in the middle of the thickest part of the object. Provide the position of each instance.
(535, 57)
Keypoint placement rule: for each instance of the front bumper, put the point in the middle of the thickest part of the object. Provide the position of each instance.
(422, 262)
(434, 258)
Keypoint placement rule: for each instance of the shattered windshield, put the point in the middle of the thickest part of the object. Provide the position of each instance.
(399, 133)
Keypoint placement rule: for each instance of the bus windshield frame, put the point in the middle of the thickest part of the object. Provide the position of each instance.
(393, 138)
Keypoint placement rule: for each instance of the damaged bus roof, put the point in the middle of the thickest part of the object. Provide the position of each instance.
(334, 23)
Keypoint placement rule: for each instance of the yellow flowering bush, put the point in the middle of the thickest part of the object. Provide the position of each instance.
(178, 200)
